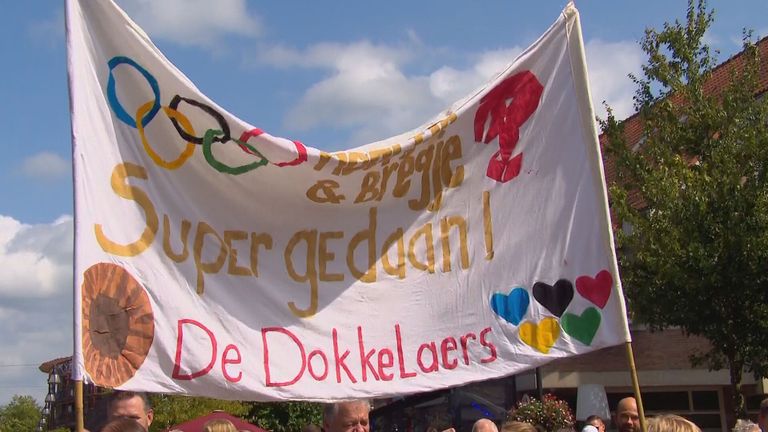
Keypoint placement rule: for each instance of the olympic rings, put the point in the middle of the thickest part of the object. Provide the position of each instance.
(221, 167)
(147, 112)
(112, 95)
(172, 114)
(224, 127)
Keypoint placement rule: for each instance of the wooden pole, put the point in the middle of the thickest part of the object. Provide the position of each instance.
(79, 424)
(636, 386)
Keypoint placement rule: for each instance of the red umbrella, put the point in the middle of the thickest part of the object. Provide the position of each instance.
(196, 425)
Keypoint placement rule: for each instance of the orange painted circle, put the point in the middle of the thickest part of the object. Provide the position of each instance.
(118, 324)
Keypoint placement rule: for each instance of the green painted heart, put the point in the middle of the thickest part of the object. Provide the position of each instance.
(582, 328)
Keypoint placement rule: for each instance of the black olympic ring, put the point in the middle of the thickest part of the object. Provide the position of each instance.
(224, 127)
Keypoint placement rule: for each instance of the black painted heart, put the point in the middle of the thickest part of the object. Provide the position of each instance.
(555, 298)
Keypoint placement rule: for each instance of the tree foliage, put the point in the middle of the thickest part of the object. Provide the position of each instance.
(21, 414)
(171, 410)
(286, 416)
(695, 194)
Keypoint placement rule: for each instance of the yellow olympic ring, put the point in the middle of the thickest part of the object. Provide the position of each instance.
(185, 123)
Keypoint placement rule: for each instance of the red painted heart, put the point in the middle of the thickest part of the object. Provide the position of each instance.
(597, 289)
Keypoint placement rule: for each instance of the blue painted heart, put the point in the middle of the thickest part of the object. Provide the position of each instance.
(555, 298)
(511, 307)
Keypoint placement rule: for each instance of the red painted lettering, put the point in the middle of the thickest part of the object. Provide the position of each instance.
(388, 363)
(316, 376)
(433, 350)
(225, 360)
(365, 357)
(340, 360)
(448, 345)
(489, 345)
(400, 356)
(464, 342)
(267, 370)
(176, 374)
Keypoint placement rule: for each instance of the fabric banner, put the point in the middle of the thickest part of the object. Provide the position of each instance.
(215, 259)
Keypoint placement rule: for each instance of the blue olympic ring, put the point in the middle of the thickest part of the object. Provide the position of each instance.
(112, 96)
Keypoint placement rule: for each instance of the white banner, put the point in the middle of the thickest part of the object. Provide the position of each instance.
(215, 259)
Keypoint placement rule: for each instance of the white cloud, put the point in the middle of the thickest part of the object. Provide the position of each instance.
(370, 92)
(366, 90)
(35, 260)
(335, 56)
(193, 22)
(35, 301)
(450, 84)
(609, 63)
(45, 165)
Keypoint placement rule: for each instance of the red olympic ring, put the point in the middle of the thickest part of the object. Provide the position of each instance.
(300, 148)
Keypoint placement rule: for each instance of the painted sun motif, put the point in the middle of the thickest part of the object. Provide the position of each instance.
(118, 324)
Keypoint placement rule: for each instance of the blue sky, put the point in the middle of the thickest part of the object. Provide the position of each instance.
(332, 75)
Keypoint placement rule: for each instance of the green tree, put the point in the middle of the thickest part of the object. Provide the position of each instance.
(21, 414)
(171, 409)
(286, 416)
(694, 257)
(274, 416)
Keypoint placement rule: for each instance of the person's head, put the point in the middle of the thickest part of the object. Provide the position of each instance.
(219, 425)
(762, 417)
(516, 426)
(346, 416)
(311, 428)
(133, 405)
(596, 421)
(671, 423)
(745, 426)
(123, 424)
(484, 425)
(627, 419)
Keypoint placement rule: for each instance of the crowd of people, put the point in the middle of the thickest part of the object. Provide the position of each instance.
(132, 412)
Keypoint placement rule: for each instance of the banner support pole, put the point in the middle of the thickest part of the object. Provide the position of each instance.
(636, 386)
(79, 424)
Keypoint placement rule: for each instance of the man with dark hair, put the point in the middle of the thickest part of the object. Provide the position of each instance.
(128, 404)
(350, 416)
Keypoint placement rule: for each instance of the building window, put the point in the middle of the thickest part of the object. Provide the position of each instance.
(701, 406)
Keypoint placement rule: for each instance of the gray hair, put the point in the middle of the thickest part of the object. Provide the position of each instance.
(330, 410)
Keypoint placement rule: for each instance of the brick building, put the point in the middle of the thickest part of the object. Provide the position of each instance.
(59, 410)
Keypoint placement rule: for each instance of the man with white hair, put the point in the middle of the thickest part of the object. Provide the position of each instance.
(349, 416)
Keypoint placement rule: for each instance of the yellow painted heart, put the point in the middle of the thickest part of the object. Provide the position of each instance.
(541, 336)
